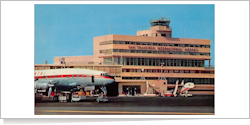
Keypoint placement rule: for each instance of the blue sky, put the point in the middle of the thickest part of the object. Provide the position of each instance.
(68, 30)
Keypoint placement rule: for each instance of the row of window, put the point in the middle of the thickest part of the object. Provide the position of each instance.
(173, 80)
(155, 34)
(166, 71)
(153, 62)
(160, 23)
(154, 44)
(109, 51)
(62, 76)
(68, 76)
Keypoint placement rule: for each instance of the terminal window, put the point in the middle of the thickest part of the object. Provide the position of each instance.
(163, 35)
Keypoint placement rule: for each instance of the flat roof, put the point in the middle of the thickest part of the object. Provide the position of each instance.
(152, 39)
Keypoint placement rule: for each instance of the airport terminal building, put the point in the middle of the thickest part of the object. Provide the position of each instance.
(151, 58)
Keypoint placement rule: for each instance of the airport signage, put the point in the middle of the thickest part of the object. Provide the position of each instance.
(191, 50)
(146, 47)
(131, 47)
(142, 47)
(169, 49)
(161, 48)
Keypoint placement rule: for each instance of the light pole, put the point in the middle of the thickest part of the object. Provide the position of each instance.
(162, 76)
(142, 78)
(162, 64)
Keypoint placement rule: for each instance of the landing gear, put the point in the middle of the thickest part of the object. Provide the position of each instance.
(55, 98)
(102, 96)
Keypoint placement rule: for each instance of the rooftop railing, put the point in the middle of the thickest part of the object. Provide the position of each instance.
(89, 63)
(160, 19)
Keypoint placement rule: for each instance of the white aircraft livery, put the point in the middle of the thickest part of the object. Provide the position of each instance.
(68, 79)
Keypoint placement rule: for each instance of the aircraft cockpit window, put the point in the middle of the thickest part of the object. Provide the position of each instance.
(104, 74)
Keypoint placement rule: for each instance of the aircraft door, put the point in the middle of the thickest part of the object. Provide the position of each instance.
(132, 91)
(126, 90)
(92, 79)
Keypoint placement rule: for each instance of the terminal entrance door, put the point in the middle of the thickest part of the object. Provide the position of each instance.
(131, 90)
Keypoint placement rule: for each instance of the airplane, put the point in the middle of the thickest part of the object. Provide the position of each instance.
(70, 80)
(178, 90)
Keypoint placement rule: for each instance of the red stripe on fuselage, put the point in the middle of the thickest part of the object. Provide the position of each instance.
(184, 90)
(72, 76)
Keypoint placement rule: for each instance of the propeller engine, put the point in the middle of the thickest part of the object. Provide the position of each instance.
(50, 86)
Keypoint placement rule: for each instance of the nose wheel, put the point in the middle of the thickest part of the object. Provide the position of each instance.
(102, 96)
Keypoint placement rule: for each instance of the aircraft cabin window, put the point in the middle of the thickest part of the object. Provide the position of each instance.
(67, 76)
(77, 75)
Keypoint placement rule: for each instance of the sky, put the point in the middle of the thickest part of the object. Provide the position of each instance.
(68, 30)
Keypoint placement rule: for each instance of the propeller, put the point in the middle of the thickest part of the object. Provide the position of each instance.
(50, 90)
(50, 85)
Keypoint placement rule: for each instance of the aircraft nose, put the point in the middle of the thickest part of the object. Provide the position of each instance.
(112, 77)
(112, 80)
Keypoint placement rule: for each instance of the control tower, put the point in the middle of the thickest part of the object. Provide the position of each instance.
(158, 28)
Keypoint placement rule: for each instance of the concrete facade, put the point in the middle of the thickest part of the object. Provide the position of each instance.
(179, 59)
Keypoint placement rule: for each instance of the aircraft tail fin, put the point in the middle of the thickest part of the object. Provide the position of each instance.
(182, 83)
(176, 88)
(187, 86)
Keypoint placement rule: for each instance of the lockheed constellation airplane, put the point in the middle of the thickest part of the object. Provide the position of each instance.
(58, 80)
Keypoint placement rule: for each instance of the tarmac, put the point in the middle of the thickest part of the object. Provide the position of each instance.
(134, 105)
